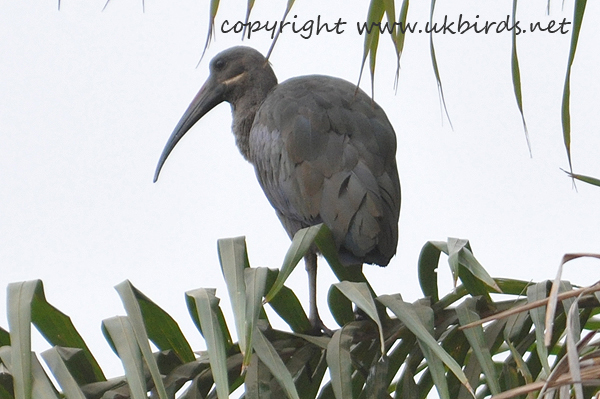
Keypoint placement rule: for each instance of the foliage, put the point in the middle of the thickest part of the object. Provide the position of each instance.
(486, 338)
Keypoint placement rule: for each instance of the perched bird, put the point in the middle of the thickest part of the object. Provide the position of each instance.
(323, 151)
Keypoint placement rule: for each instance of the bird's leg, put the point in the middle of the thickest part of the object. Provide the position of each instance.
(313, 316)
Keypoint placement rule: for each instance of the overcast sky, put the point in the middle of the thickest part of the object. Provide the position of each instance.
(89, 98)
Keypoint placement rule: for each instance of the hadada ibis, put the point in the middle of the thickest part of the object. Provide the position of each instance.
(323, 151)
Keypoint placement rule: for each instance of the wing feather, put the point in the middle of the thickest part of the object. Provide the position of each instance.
(325, 152)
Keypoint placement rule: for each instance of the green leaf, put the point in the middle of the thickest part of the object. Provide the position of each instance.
(41, 387)
(138, 324)
(326, 244)
(121, 333)
(309, 381)
(290, 3)
(427, 266)
(516, 75)
(162, 330)
(400, 36)
(320, 341)
(60, 371)
(406, 314)
(434, 363)
(573, 336)
(586, 179)
(56, 327)
(516, 325)
(192, 309)
(257, 380)
(377, 385)
(340, 361)
(339, 306)
(234, 259)
(301, 243)
(359, 294)
(214, 6)
(78, 365)
(434, 64)
(374, 16)
(406, 387)
(206, 303)
(4, 337)
(579, 10)
(255, 288)
(268, 355)
(249, 7)
(538, 315)
(475, 336)
(20, 296)
(461, 258)
(288, 307)
(397, 356)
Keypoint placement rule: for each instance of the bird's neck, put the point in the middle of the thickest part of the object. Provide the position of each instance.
(245, 106)
(243, 117)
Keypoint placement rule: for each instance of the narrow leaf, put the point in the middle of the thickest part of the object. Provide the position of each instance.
(339, 306)
(310, 380)
(4, 337)
(20, 296)
(301, 243)
(41, 387)
(374, 18)
(214, 6)
(359, 294)
(134, 313)
(427, 266)
(58, 329)
(516, 75)
(234, 259)
(288, 307)
(377, 385)
(249, 7)
(255, 288)
(326, 244)
(400, 36)
(206, 303)
(162, 329)
(573, 335)
(257, 381)
(434, 64)
(435, 364)
(290, 3)
(476, 339)
(586, 179)
(121, 333)
(193, 310)
(340, 362)
(460, 255)
(579, 10)
(268, 355)
(534, 293)
(60, 371)
(407, 315)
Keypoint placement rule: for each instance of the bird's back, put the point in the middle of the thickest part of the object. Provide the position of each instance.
(324, 152)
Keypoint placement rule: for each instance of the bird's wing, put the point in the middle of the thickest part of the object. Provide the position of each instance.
(325, 152)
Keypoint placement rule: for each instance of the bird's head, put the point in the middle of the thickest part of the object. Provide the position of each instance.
(240, 75)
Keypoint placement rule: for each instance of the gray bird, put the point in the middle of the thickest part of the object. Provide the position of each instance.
(323, 152)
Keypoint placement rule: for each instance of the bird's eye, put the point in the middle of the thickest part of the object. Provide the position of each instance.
(219, 65)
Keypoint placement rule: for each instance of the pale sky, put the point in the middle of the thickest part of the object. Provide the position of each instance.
(89, 98)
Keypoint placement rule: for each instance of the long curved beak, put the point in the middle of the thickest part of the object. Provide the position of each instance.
(209, 96)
